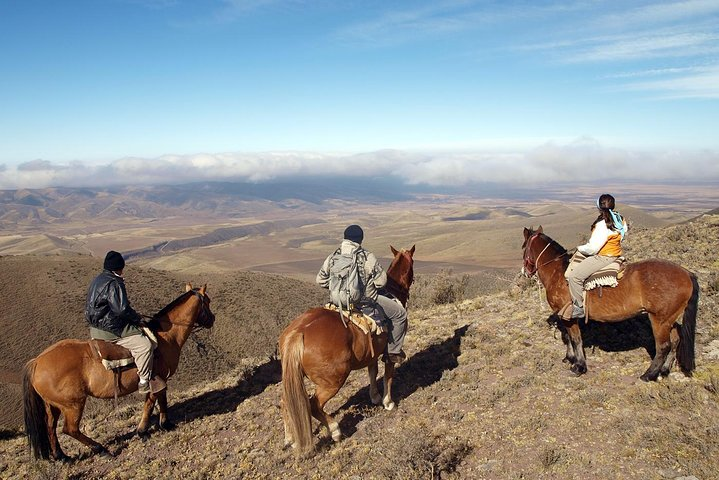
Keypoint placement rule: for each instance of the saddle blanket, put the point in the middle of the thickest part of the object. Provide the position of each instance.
(608, 276)
(364, 322)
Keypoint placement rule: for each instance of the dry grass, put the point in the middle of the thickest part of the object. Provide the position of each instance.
(484, 395)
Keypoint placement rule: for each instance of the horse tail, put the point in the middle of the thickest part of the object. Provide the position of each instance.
(685, 349)
(294, 394)
(36, 427)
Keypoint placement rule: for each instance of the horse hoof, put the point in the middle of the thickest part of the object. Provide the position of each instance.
(649, 378)
(167, 426)
(61, 457)
(389, 406)
(102, 451)
(578, 371)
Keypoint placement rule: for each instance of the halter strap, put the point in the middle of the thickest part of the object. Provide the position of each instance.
(536, 261)
(540, 255)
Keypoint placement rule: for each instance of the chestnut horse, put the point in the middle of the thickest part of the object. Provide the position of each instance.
(59, 380)
(318, 345)
(663, 290)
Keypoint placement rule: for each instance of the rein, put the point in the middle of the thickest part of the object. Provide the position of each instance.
(536, 261)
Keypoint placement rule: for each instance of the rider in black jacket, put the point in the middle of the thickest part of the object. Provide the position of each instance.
(111, 318)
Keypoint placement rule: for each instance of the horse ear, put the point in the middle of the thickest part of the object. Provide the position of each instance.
(411, 251)
(539, 229)
(527, 231)
(202, 290)
(188, 287)
(394, 250)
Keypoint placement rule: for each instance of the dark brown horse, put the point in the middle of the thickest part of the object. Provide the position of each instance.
(318, 345)
(59, 380)
(661, 289)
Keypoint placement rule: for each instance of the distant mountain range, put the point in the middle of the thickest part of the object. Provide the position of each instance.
(225, 199)
(57, 205)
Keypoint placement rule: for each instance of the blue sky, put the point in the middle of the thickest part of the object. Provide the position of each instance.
(260, 88)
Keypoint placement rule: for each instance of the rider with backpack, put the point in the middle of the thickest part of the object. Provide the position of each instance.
(355, 279)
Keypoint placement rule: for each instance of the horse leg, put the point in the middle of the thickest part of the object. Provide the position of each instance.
(164, 423)
(388, 377)
(669, 362)
(373, 391)
(570, 357)
(579, 365)
(317, 403)
(663, 344)
(53, 415)
(72, 415)
(148, 406)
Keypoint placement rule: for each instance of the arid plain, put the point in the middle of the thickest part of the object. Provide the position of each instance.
(200, 228)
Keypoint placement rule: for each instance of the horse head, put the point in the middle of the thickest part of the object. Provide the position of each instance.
(205, 317)
(536, 241)
(531, 237)
(182, 313)
(400, 273)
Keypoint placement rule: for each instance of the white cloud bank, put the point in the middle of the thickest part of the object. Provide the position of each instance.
(582, 160)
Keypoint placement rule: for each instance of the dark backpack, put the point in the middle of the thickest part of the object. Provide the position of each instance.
(346, 288)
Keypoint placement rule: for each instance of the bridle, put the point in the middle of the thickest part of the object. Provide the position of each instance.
(530, 266)
(204, 316)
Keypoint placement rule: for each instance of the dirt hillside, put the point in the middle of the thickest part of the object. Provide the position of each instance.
(42, 300)
(484, 394)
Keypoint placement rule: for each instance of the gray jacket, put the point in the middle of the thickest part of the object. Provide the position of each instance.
(373, 275)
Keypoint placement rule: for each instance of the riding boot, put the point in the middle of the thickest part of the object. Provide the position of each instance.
(143, 387)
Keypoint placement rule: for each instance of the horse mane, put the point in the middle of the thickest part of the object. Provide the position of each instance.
(174, 303)
(558, 248)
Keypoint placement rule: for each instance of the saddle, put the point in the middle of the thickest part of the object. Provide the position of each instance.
(608, 276)
(116, 358)
(112, 356)
(367, 324)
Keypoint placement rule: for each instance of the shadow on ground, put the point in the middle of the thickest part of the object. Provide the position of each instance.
(617, 336)
(216, 402)
(419, 371)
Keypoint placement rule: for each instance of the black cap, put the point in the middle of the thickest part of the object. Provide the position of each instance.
(354, 233)
(114, 261)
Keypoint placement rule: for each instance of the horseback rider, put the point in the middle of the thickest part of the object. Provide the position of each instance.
(112, 319)
(602, 249)
(375, 300)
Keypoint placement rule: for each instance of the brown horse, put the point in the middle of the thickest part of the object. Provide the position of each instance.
(59, 380)
(658, 288)
(316, 344)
